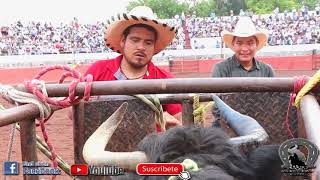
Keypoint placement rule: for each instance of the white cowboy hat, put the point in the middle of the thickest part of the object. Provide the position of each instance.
(244, 28)
(138, 15)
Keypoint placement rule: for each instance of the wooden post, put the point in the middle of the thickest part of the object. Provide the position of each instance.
(310, 111)
(187, 113)
(28, 144)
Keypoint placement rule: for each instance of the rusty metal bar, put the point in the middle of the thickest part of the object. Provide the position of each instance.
(164, 98)
(179, 85)
(310, 111)
(17, 114)
(20, 113)
(28, 144)
(178, 98)
(187, 112)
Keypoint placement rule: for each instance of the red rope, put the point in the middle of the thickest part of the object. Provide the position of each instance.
(298, 84)
(66, 102)
(72, 99)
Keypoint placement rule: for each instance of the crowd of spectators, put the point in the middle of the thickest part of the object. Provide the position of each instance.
(297, 27)
(35, 38)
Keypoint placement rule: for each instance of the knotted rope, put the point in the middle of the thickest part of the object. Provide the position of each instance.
(12, 95)
(301, 87)
(156, 106)
(199, 112)
(33, 87)
(315, 79)
(42, 101)
(71, 99)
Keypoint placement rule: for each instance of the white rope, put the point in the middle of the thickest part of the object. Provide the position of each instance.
(11, 94)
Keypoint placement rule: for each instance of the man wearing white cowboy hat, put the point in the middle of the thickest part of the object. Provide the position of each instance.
(137, 36)
(245, 41)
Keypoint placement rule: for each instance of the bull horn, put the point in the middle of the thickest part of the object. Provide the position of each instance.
(248, 129)
(94, 149)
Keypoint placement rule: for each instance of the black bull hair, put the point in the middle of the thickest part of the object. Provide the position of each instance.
(209, 148)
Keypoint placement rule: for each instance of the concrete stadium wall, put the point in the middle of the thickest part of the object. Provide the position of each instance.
(17, 69)
(303, 62)
(20, 75)
(18, 61)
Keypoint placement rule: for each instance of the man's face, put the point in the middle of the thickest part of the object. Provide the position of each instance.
(138, 47)
(245, 48)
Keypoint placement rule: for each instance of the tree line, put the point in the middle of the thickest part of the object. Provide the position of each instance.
(204, 8)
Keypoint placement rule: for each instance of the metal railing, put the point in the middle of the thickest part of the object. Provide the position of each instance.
(25, 114)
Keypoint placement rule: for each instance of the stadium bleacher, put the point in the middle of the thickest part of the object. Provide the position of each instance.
(35, 38)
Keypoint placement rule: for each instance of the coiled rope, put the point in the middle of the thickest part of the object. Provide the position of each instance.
(42, 101)
(156, 106)
(315, 79)
(199, 111)
(300, 88)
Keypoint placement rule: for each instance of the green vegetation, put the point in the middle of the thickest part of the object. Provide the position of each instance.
(163, 8)
(203, 8)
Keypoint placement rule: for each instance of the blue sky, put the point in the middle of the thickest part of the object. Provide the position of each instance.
(60, 10)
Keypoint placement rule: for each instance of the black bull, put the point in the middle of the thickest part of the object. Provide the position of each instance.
(211, 150)
(215, 153)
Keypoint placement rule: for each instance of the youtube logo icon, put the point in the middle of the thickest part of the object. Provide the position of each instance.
(79, 170)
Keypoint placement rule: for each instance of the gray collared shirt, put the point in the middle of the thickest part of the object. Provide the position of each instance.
(232, 68)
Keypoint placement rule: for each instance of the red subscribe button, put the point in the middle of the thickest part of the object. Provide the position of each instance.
(159, 168)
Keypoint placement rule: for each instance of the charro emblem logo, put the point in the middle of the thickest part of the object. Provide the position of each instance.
(298, 156)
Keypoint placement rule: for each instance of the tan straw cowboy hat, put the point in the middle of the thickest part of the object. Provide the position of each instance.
(244, 28)
(138, 15)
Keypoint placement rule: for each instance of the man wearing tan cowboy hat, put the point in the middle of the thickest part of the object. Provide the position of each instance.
(137, 36)
(245, 41)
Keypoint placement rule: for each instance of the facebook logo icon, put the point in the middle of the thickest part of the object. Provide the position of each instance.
(11, 168)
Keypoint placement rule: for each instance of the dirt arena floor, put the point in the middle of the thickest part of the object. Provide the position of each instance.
(60, 132)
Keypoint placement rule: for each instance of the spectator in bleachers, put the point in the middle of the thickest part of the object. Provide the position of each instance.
(245, 41)
(35, 38)
(317, 9)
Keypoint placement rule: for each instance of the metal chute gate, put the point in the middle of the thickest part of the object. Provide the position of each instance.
(264, 99)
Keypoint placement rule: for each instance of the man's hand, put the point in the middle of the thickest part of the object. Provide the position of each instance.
(171, 121)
